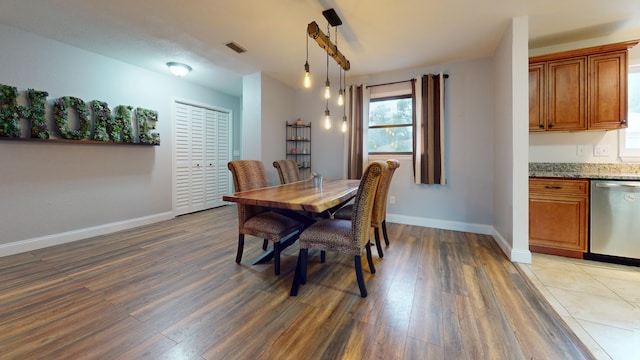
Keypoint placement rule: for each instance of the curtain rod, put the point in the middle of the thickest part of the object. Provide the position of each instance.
(446, 76)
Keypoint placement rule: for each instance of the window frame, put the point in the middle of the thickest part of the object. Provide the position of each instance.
(628, 154)
(411, 124)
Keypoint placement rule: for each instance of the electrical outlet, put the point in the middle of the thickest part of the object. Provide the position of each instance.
(392, 199)
(602, 150)
(581, 150)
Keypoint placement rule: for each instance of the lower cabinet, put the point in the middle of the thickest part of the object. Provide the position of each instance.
(558, 216)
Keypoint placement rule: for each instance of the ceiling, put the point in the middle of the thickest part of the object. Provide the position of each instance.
(376, 35)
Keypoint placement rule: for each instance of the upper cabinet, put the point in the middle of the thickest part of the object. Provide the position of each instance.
(608, 74)
(583, 89)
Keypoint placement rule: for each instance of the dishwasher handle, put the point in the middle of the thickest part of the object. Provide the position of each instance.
(617, 185)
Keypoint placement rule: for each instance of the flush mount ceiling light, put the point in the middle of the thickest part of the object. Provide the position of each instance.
(178, 69)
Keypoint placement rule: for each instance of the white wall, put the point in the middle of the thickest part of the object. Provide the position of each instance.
(465, 202)
(251, 140)
(53, 193)
(278, 107)
(510, 188)
(267, 106)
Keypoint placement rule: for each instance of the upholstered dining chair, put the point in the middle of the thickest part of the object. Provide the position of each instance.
(288, 171)
(345, 236)
(256, 220)
(379, 214)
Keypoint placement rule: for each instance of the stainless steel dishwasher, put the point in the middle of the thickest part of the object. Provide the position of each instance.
(615, 221)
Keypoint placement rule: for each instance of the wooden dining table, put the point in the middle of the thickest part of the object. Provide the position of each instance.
(304, 195)
(303, 199)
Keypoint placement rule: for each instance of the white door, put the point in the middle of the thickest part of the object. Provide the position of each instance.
(201, 145)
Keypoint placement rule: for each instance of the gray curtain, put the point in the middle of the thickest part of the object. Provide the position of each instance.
(356, 131)
(428, 131)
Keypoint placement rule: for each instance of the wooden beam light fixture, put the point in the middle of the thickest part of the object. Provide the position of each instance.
(324, 42)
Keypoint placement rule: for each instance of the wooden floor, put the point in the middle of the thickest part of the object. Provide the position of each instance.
(173, 291)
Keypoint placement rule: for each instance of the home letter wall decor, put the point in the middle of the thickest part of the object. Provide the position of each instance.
(107, 127)
(119, 128)
(9, 112)
(147, 122)
(35, 113)
(61, 116)
(101, 117)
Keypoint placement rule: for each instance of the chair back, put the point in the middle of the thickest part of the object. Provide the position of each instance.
(248, 175)
(379, 213)
(363, 204)
(288, 171)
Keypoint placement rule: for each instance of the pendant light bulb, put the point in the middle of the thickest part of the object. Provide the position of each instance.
(344, 124)
(327, 119)
(327, 90)
(307, 76)
(340, 98)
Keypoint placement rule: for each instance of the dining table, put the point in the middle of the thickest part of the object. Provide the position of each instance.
(308, 195)
(305, 200)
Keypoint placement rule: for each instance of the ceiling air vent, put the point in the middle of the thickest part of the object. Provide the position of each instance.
(236, 47)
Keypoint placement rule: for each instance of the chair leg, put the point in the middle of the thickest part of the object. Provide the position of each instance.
(295, 284)
(300, 275)
(358, 265)
(323, 256)
(265, 244)
(304, 253)
(384, 232)
(240, 248)
(376, 232)
(276, 257)
(372, 268)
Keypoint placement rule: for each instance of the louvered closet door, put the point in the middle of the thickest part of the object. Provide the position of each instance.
(182, 172)
(223, 156)
(202, 152)
(210, 131)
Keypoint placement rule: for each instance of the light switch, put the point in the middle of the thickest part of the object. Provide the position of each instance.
(583, 150)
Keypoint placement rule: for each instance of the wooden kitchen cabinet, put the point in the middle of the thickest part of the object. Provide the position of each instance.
(566, 95)
(608, 90)
(558, 216)
(584, 89)
(537, 111)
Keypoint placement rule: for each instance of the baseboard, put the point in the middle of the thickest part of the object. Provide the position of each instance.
(522, 256)
(515, 255)
(80, 234)
(441, 224)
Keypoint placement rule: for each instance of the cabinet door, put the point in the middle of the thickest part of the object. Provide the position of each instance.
(566, 108)
(608, 91)
(558, 214)
(537, 112)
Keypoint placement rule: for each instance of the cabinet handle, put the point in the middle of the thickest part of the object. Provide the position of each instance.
(541, 126)
(623, 122)
(550, 125)
(553, 187)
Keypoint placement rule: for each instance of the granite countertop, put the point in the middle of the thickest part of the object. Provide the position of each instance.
(585, 171)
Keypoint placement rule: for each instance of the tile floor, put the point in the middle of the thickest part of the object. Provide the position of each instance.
(599, 301)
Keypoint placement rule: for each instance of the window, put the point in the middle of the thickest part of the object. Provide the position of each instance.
(390, 119)
(630, 137)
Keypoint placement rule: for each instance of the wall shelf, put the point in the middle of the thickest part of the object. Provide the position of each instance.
(298, 146)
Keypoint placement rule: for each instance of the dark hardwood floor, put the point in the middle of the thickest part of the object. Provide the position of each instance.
(173, 291)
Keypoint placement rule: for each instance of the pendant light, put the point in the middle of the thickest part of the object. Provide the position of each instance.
(345, 126)
(327, 117)
(327, 84)
(307, 75)
(340, 92)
